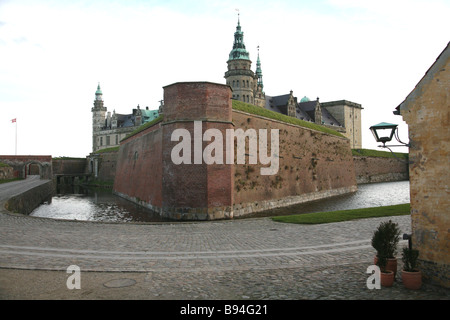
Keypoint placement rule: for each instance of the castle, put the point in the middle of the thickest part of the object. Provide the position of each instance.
(247, 86)
(342, 116)
(108, 130)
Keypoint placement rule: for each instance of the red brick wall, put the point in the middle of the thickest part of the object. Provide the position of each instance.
(139, 168)
(20, 163)
(196, 191)
(310, 162)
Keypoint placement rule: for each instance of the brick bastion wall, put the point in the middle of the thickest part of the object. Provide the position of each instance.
(312, 164)
(368, 169)
(379, 169)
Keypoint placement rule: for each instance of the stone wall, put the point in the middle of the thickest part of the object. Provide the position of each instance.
(103, 166)
(6, 173)
(69, 166)
(21, 165)
(312, 165)
(29, 200)
(427, 113)
(379, 169)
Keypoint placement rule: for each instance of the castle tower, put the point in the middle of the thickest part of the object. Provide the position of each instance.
(98, 116)
(239, 76)
(259, 95)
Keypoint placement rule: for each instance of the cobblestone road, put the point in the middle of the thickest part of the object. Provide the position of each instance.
(234, 259)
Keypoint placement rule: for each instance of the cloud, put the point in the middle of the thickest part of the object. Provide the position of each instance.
(369, 52)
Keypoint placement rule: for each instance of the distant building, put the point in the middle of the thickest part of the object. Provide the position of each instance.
(108, 130)
(343, 116)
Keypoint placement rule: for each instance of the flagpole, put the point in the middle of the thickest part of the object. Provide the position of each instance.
(15, 121)
(16, 136)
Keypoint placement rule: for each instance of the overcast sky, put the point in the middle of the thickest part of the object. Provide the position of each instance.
(53, 54)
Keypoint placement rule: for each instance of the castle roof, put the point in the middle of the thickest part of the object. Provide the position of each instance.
(303, 111)
(309, 107)
(239, 52)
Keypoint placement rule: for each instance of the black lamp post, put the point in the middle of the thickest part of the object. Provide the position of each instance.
(383, 132)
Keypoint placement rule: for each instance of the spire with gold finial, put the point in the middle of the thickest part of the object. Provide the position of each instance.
(239, 52)
(259, 73)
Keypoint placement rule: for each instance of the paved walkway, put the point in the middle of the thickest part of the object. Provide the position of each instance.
(234, 259)
(10, 189)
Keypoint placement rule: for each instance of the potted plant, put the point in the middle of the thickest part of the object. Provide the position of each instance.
(386, 276)
(385, 240)
(411, 276)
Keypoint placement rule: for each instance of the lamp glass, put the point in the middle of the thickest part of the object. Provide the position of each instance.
(383, 132)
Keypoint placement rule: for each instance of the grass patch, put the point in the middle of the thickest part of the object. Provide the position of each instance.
(144, 126)
(379, 153)
(245, 107)
(68, 158)
(345, 215)
(96, 183)
(112, 149)
(2, 164)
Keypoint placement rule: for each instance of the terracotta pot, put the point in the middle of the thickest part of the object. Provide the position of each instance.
(387, 278)
(412, 280)
(390, 265)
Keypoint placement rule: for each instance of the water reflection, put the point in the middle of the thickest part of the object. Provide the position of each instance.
(368, 195)
(77, 203)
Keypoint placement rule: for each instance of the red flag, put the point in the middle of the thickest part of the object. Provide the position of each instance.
(13, 120)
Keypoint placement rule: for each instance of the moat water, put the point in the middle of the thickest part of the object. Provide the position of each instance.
(78, 203)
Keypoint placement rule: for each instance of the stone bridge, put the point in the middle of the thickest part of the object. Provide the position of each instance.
(24, 166)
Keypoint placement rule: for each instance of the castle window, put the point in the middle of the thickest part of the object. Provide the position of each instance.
(117, 139)
(247, 84)
(233, 83)
(108, 140)
(101, 141)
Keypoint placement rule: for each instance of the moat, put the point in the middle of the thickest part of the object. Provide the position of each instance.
(78, 203)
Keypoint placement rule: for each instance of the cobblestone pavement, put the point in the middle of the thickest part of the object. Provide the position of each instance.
(235, 259)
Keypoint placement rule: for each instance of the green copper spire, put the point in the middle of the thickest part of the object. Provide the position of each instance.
(259, 72)
(238, 51)
(99, 91)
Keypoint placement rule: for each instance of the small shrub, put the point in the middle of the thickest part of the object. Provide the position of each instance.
(385, 239)
(409, 258)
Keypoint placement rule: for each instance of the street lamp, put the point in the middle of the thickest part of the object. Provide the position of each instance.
(384, 132)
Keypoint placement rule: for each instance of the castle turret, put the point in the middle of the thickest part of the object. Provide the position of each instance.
(239, 76)
(98, 116)
(260, 96)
